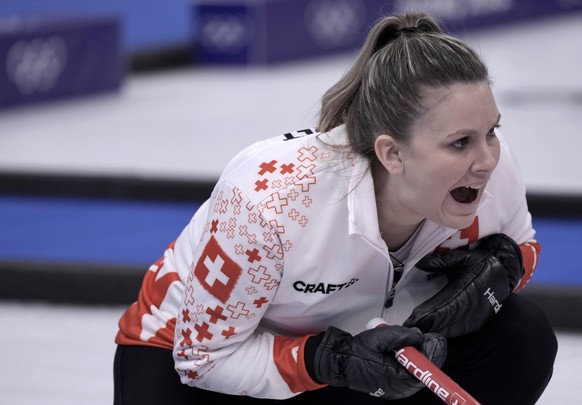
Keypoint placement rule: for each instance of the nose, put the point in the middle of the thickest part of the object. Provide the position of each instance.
(487, 157)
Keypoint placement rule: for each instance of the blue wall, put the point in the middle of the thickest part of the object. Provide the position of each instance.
(154, 24)
(145, 24)
(97, 231)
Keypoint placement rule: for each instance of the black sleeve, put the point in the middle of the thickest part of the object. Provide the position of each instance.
(311, 346)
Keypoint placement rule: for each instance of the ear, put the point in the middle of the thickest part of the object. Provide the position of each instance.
(388, 153)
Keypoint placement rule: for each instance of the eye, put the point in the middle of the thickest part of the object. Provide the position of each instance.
(492, 133)
(460, 144)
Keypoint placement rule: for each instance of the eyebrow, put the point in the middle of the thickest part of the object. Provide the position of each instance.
(471, 131)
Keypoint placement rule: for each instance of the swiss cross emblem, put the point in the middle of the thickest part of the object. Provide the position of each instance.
(217, 272)
(462, 238)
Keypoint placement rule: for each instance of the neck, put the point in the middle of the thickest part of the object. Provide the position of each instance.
(397, 224)
(396, 236)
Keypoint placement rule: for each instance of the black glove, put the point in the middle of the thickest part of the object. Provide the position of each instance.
(480, 280)
(366, 362)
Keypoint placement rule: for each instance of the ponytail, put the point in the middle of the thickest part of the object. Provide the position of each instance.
(402, 56)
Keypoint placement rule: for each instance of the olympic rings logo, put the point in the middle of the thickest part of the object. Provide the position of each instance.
(35, 65)
(330, 23)
(226, 33)
(333, 24)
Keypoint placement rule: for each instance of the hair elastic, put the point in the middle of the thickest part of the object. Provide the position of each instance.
(392, 33)
(408, 30)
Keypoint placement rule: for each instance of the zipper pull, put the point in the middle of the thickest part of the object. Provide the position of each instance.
(390, 299)
(398, 267)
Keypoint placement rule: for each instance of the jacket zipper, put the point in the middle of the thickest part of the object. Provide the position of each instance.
(397, 270)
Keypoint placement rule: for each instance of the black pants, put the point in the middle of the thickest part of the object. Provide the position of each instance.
(509, 361)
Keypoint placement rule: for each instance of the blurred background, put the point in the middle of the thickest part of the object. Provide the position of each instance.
(116, 119)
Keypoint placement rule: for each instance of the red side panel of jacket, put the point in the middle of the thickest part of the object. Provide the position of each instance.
(289, 358)
(530, 252)
(139, 315)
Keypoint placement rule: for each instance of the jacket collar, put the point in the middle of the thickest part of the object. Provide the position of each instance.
(363, 212)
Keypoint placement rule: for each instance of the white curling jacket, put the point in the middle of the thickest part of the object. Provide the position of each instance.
(287, 245)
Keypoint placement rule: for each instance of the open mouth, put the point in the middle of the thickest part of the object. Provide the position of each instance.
(465, 195)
